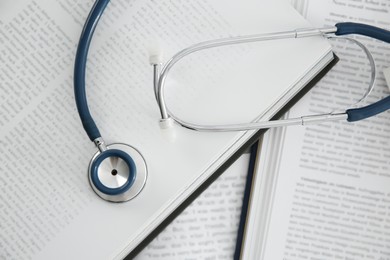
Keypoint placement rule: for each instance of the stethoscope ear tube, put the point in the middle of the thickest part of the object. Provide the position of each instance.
(363, 29)
(361, 113)
(79, 69)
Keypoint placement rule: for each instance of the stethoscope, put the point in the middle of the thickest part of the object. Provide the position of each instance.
(118, 172)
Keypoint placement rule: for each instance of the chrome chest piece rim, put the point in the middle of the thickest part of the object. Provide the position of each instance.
(117, 174)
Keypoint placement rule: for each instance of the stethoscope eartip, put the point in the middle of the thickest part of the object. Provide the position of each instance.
(155, 54)
(166, 123)
(168, 130)
(155, 59)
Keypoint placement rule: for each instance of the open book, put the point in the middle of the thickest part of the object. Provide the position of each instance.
(206, 229)
(48, 209)
(323, 191)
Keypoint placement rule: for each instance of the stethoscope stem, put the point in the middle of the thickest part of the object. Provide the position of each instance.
(100, 144)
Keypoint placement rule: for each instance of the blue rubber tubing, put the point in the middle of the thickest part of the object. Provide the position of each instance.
(363, 29)
(380, 106)
(80, 68)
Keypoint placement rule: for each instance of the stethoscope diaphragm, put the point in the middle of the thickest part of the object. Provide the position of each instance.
(117, 174)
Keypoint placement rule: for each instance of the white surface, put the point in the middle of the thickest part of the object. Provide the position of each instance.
(48, 209)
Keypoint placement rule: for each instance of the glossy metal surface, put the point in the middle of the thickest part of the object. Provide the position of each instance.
(304, 120)
(372, 68)
(113, 172)
(119, 178)
(167, 116)
(100, 144)
(156, 76)
(223, 42)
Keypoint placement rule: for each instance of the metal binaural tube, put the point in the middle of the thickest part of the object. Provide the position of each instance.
(304, 120)
(223, 42)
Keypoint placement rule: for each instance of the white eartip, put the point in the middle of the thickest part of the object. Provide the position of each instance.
(155, 59)
(155, 54)
(386, 72)
(166, 123)
(167, 129)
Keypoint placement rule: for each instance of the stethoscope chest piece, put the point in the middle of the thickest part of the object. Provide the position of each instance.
(117, 174)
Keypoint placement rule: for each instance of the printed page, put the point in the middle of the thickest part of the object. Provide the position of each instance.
(207, 229)
(332, 200)
(47, 205)
(47, 208)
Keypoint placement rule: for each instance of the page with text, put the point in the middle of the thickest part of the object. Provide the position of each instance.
(207, 229)
(332, 199)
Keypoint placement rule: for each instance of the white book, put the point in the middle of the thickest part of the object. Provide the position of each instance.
(322, 191)
(48, 209)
